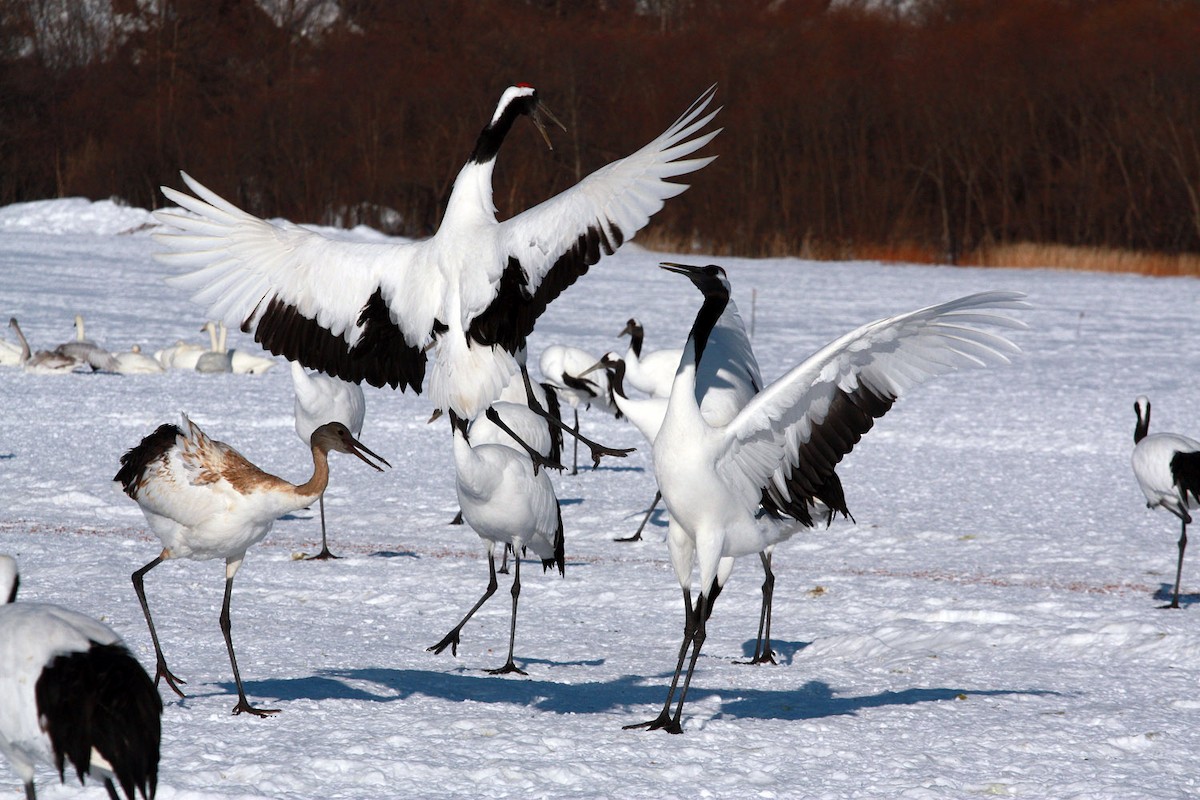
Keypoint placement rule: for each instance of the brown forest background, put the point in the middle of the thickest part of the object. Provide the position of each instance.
(944, 127)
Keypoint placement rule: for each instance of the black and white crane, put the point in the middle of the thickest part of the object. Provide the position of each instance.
(70, 691)
(727, 378)
(564, 369)
(471, 294)
(1167, 467)
(736, 489)
(508, 503)
(203, 500)
(650, 372)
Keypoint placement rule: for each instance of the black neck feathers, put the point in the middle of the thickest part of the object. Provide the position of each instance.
(617, 377)
(636, 335)
(492, 136)
(716, 298)
(1143, 423)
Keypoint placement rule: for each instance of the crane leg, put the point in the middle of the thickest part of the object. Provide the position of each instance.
(598, 450)
(1179, 565)
(510, 666)
(242, 704)
(637, 536)
(451, 639)
(695, 621)
(762, 645)
(160, 670)
(324, 555)
(538, 459)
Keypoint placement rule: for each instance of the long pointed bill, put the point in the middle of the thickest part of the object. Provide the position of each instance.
(681, 269)
(540, 116)
(598, 365)
(360, 450)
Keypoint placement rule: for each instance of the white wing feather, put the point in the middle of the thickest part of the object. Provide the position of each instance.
(620, 196)
(885, 357)
(241, 260)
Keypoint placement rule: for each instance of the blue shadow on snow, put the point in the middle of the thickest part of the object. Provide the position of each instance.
(627, 693)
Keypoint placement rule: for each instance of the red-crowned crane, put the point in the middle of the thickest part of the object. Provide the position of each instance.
(70, 691)
(470, 294)
(563, 367)
(204, 500)
(1167, 467)
(736, 489)
(321, 398)
(507, 502)
(649, 372)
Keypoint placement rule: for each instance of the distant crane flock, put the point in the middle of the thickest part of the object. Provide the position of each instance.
(740, 465)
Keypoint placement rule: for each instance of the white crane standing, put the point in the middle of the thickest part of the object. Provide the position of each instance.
(1167, 467)
(736, 489)
(507, 502)
(204, 500)
(70, 691)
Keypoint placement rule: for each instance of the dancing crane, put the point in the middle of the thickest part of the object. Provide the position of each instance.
(736, 489)
(320, 399)
(471, 294)
(71, 691)
(204, 500)
(1167, 467)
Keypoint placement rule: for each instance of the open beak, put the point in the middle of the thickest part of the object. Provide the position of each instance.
(540, 116)
(360, 450)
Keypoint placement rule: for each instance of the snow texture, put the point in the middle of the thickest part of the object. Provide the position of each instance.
(989, 627)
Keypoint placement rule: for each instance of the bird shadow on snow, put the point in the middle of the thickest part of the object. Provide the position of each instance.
(627, 693)
(784, 651)
(1167, 590)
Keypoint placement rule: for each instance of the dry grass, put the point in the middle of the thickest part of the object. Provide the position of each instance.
(1090, 259)
(1021, 255)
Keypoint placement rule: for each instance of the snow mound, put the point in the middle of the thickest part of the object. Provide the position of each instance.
(72, 215)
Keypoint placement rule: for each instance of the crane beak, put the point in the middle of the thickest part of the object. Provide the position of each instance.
(598, 365)
(359, 449)
(681, 269)
(540, 116)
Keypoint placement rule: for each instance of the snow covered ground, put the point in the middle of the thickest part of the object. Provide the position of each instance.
(989, 627)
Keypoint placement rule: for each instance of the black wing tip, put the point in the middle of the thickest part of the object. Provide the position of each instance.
(137, 458)
(102, 698)
(1185, 469)
(381, 357)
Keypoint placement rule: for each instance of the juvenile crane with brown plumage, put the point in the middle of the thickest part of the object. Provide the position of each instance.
(203, 500)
